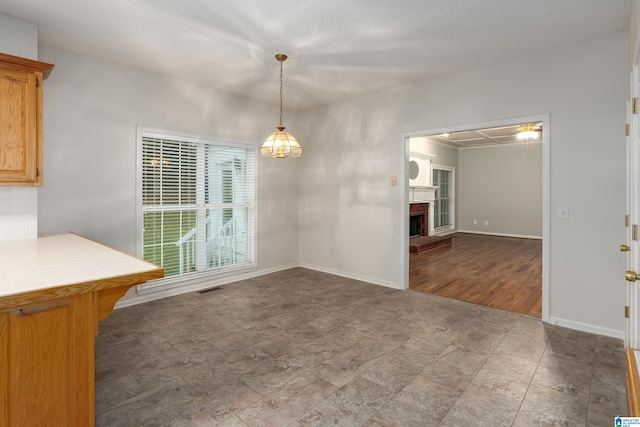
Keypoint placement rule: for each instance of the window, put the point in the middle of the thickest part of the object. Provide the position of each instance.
(443, 206)
(196, 205)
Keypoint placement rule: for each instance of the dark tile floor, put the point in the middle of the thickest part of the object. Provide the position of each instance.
(304, 348)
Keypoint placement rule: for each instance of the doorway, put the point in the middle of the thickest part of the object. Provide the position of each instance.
(480, 192)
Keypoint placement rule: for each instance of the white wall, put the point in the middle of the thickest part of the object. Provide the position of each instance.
(351, 150)
(91, 110)
(634, 34)
(18, 38)
(498, 184)
(18, 205)
(503, 186)
(354, 147)
(444, 156)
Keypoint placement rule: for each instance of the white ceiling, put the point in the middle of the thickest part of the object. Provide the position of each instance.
(337, 48)
(484, 137)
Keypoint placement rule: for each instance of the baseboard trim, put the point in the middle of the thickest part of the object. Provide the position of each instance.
(352, 276)
(133, 298)
(519, 236)
(208, 283)
(586, 327)
(445, 233)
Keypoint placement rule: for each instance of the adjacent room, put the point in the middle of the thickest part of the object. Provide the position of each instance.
(207, 208)
(476, 216)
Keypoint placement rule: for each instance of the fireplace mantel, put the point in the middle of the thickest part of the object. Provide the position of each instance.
(422, 194)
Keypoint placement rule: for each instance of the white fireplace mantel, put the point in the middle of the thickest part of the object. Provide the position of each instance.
(422, 194)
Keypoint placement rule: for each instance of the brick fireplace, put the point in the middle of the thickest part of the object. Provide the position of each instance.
(419, 219)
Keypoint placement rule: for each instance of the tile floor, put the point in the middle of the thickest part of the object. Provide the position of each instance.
(304, 348)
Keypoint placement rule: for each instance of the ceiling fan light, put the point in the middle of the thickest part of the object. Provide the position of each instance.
(528, 132)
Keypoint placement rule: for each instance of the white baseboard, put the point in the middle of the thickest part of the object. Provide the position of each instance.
(135, 299)
(445, 233)
(132, 298)
(352, 276)
(586, 327)
(520, 236)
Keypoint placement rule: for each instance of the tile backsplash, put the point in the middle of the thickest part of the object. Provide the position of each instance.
(18, 213)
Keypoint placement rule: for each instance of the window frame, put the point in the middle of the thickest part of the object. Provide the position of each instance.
(452, 199)
(193, 278)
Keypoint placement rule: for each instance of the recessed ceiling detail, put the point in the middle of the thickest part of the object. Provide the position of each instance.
(484, 137)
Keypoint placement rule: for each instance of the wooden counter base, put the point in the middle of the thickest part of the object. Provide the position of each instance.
(47, 341)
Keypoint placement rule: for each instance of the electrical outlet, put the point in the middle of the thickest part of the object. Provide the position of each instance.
(486, 223)
(333, 251)
(475, 222)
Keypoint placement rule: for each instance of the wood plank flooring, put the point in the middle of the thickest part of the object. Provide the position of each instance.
(498, 272)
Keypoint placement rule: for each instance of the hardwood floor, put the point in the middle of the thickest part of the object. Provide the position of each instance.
(498, 272)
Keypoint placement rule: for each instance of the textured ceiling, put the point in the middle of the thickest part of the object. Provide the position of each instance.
(337, 48)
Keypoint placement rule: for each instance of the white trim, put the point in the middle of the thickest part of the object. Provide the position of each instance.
(587, 327)
(194, 287)
(487, 233)
(219, 281)
(185, 136)
(404, 221)
(174, 282)
(452, 197)
(355, 276)
(192, 278)
(632, 324)
(509, 144)
(445, 231)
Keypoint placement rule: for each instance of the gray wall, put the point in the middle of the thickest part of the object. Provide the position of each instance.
(444, 156)
(91, 110)
(343, 197)
(501, 185)
(18, 205)
(354, 147)
(498, 184)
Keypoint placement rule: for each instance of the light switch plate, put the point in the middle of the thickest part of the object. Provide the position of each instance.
(563, 212)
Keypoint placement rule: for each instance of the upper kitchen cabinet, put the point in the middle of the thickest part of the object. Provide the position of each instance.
(21, 120)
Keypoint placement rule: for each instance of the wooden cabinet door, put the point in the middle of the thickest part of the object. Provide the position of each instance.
(20, 98)
(48, 363)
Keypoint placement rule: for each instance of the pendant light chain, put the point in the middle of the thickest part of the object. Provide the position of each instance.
(281, 93)
(281, 144)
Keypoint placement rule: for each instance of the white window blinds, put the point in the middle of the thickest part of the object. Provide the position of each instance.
(197, 204)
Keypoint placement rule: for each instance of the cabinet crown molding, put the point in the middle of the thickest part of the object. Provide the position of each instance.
(26, 64)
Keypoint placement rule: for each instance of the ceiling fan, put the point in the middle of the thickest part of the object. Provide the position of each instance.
(529, 131)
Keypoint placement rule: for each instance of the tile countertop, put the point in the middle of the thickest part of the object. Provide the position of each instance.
(58, 260)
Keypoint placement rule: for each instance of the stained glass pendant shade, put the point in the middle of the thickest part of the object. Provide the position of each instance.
(281, 144)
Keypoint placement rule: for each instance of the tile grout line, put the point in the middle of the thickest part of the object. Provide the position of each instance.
(530, 381)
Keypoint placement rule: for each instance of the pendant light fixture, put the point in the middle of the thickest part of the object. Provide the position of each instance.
(281, 144)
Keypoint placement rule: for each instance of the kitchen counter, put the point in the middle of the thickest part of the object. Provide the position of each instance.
(53, 292)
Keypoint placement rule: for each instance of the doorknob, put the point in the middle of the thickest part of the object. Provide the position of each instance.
(624, 248)
(631, 276)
